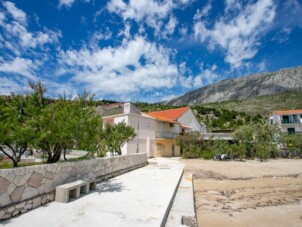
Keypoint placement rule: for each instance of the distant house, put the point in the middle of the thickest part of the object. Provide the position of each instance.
(168, 125)
(132, 116)
(156, 131)
(289, 121)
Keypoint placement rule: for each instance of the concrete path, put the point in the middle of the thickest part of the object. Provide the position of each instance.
(182, 212)
(138, 198)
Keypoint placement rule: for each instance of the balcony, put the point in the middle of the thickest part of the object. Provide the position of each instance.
(290, 121)
(166, 135)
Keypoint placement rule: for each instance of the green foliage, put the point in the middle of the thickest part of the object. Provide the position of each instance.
(147, 107)
(15, 131)
(68, 124)
(33, 121)
(194, 146)
(191, 144)
(220, 146)
(237, 151)
(220, 118)
(292, 145)
(115, 136)
(258, 140)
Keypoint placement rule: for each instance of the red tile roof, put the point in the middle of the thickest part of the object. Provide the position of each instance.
(172, 114)
(287, 112)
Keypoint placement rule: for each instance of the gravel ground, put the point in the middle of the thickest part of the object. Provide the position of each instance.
(249, 193)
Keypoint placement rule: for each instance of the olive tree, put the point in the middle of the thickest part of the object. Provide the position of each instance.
(292, 144)
(192, 144)
(15, 131)
(68, 124)
(114, 136)
(259, 140)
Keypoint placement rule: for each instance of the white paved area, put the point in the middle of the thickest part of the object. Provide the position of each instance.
(137, 198)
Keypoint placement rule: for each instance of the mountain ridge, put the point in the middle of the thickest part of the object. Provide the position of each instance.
(266, 83)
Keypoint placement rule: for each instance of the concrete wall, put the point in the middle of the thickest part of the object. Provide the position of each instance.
(25, 188)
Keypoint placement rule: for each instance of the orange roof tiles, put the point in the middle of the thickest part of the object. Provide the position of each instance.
(172, 114)
(287, 112)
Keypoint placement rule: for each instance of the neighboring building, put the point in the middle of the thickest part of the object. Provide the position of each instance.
(168, 125)
(132, 116)
(290, 121)
(156, 131)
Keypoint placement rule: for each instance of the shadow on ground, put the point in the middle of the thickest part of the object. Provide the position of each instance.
(110, 186)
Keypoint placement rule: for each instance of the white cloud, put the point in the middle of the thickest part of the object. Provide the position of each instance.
(206, 76)
(136, 65)
(140, 10)
(238, 36)
(231, 5)
(19, 65)
(97, 36)
(126, 31)
(156, 14)
(16, 13)
(16, 34)
(69, 3)
(204, 12)
(7, 86)
(170, 26)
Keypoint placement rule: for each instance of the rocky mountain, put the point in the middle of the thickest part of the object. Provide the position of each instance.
(284, 80)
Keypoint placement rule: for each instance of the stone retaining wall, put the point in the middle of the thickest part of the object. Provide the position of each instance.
(25, 188)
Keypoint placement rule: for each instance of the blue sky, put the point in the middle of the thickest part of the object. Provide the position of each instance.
(143, 50)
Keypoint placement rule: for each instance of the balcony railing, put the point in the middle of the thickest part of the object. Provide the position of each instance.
(166, 135)
(289, 121)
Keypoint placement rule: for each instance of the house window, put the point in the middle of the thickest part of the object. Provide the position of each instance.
(148, 124)
(295, 118)
(285, 119)
(291, 130)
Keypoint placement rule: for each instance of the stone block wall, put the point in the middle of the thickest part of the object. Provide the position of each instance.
(25, 188)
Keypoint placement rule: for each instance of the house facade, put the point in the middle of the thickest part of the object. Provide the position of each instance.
(289, 121)
(155, 131)
(132, 116)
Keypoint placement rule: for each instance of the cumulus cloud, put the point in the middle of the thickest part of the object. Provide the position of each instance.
(19, 65)
(238, 35)
(23, 52)
(68, 3)
(136, 65)
(16, 34)
(156, 14)
(207, 75)
(16, 13)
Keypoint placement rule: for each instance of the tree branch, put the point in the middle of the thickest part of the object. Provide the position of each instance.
(8, 155)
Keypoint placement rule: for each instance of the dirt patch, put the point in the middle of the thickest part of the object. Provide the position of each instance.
(247, 193)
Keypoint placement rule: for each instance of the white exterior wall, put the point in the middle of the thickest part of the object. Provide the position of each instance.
(277, 119)
(145, 135)
(144, 130)
(189, 119)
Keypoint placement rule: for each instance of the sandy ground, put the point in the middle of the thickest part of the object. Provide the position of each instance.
(247, 193)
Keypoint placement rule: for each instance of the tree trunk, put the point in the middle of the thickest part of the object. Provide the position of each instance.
(15, 163)
(65, 154)
(56, 154)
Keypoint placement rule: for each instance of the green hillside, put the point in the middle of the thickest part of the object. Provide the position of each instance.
(263, 105)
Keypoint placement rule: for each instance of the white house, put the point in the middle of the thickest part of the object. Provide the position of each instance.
(156, 131)
(132, 116)
(289, 121)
